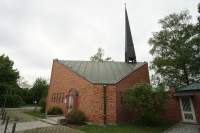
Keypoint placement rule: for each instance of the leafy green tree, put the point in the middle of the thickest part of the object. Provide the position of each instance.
(13, 100)
(176, 50)
(39, 89)
(99, 56)
(146, 101)
(24, 91)
(10, 92)
(26, 95)
(8, 75)
(22, 83)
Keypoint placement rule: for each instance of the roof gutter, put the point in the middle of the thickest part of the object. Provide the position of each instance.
(182, 94)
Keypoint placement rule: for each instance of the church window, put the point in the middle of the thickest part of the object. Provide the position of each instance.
(62, 100)
(52, 98)
(56, 97)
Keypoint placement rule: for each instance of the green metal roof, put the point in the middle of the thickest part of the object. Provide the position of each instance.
(191, 87)
(108, 72)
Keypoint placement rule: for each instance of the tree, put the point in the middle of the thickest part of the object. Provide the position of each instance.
(176, 50)
(39, 89)
(99, 56)
(22, 83)
(146, 101)
(24, 90)
(25, 93)
(8, 75)
(10, 92)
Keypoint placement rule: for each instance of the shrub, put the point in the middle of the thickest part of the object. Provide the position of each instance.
(76, 117)
(26, 96)
(146, 101)
(54, 111)
(42, 104)
(12, 101)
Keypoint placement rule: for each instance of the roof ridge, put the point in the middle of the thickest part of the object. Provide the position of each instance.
(102, 62)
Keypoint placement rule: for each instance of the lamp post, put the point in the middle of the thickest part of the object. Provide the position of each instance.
(35, 103)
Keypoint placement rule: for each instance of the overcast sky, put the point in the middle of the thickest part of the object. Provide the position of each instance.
(34, 32)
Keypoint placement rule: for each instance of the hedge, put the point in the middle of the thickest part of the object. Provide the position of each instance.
(76, 117)
(54, 111)
(12, 101)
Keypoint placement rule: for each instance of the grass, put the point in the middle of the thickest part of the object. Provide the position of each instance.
(31, 115)
(24, 115)
(19, 116)
(122, 128)
(53, 129)
(36, 114)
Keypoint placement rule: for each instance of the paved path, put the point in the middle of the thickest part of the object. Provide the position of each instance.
(45, 126)
(184, 128)
(22, 126)
(53, 120)
(49, 125)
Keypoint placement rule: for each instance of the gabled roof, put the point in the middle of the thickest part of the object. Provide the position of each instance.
(108, 72)
(191, 87)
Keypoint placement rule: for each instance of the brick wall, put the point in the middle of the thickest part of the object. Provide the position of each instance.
(140, 75)
(111, 104)
(173, 109)
(90, 99)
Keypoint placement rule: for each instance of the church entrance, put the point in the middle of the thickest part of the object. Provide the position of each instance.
(72, 100)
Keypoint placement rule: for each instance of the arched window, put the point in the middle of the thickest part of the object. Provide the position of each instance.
(72, 99)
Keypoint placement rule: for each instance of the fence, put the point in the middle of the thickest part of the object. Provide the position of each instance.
(5, 119)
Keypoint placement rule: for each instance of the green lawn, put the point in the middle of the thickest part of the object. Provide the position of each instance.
(122, 128)
(20, 116)
(36, 114)
(24, 115)
(53, 129)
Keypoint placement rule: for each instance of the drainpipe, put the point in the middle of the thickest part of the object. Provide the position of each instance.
(104, 105)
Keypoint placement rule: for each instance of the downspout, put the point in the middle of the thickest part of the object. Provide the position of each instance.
(104, 105)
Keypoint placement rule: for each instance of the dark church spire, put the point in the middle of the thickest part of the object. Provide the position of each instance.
(129, 47)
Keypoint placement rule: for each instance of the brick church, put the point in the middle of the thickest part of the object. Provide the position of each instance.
(96, 87)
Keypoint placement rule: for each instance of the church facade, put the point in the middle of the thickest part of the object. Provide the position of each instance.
(96, 88)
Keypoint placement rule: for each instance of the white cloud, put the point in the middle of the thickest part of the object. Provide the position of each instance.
(33, 32)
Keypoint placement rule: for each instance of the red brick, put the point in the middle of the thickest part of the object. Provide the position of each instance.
(90, 99)
(140, 75)
(173, 109)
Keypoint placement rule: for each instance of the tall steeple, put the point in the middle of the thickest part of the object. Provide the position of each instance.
(130, 56)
